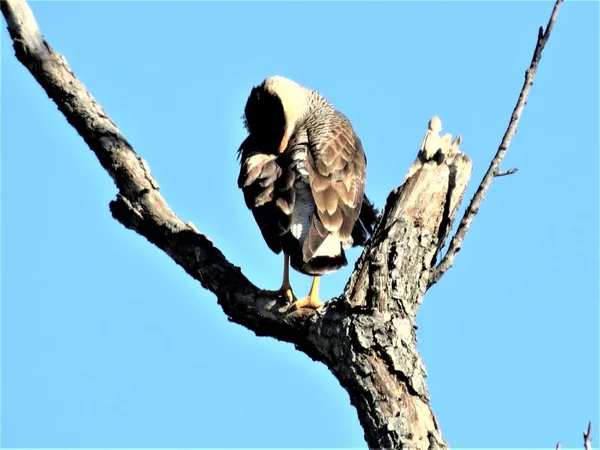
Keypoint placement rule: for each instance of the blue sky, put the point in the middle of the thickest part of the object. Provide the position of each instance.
(107, 342)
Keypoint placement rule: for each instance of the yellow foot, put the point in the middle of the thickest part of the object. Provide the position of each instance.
(283, 291)
(310, 301)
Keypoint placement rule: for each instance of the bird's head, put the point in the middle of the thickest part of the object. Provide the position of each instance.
(274, 110)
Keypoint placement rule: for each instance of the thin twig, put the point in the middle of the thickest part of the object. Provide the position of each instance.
(503, 173)
(587, 437)
(465, 223)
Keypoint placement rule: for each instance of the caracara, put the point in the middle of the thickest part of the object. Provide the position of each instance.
(303, 173)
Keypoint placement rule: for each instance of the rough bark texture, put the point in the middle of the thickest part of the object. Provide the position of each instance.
(366, 337)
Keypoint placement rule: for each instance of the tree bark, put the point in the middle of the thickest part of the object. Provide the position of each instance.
(367, 335)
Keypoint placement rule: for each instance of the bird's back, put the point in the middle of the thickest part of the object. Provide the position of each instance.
(309, 198)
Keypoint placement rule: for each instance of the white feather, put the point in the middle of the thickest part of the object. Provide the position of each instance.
(330, 247)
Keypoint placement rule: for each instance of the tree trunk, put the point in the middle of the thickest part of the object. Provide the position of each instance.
(367, 336)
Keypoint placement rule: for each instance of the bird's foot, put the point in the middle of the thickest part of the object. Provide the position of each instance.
(310, 301)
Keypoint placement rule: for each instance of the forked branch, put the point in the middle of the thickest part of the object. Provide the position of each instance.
(494, 169)
(366, 337)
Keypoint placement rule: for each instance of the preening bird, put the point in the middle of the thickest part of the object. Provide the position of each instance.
(303, 174)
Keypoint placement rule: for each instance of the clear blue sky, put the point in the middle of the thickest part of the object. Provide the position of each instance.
(107, 342)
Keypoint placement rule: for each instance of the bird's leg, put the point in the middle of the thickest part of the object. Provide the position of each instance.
(311, 300)
(286, 289)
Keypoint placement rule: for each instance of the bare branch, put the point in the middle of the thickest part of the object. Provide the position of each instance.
(374, 356)
(367, 336)
(473, 208)
(139, 204)
(504, 173)
(587, 437)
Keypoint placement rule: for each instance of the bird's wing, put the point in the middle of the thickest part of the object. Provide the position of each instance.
(268, 193)
(337, 174)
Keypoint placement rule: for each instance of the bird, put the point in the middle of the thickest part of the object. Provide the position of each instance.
(303, 175)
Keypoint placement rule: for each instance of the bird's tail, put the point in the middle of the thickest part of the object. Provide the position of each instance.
(363, 228)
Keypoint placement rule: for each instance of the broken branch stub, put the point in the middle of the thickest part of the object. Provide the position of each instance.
(415, 222)
(371, 343)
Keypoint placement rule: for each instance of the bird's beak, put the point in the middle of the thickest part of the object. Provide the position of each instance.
(284, 143)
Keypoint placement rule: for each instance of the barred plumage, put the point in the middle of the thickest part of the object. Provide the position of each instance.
(303, 174)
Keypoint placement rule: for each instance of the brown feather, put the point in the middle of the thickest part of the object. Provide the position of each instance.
(323, 144)
(267, 186)
(337, 172)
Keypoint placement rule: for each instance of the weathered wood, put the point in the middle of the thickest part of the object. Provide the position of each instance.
(366, 337)
(374, 348)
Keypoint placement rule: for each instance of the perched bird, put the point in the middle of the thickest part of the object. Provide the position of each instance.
(303, 174)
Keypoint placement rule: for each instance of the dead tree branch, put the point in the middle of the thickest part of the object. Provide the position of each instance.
(139, 204)
(367, 336)
(504, 173)
(587, 437)
(373, 353)
(493, 171)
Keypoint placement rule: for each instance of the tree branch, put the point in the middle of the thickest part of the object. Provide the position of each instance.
(503, 173)
(473, 208)
(367, 336)
(380, 367)
(139, 204)
(587, 437)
